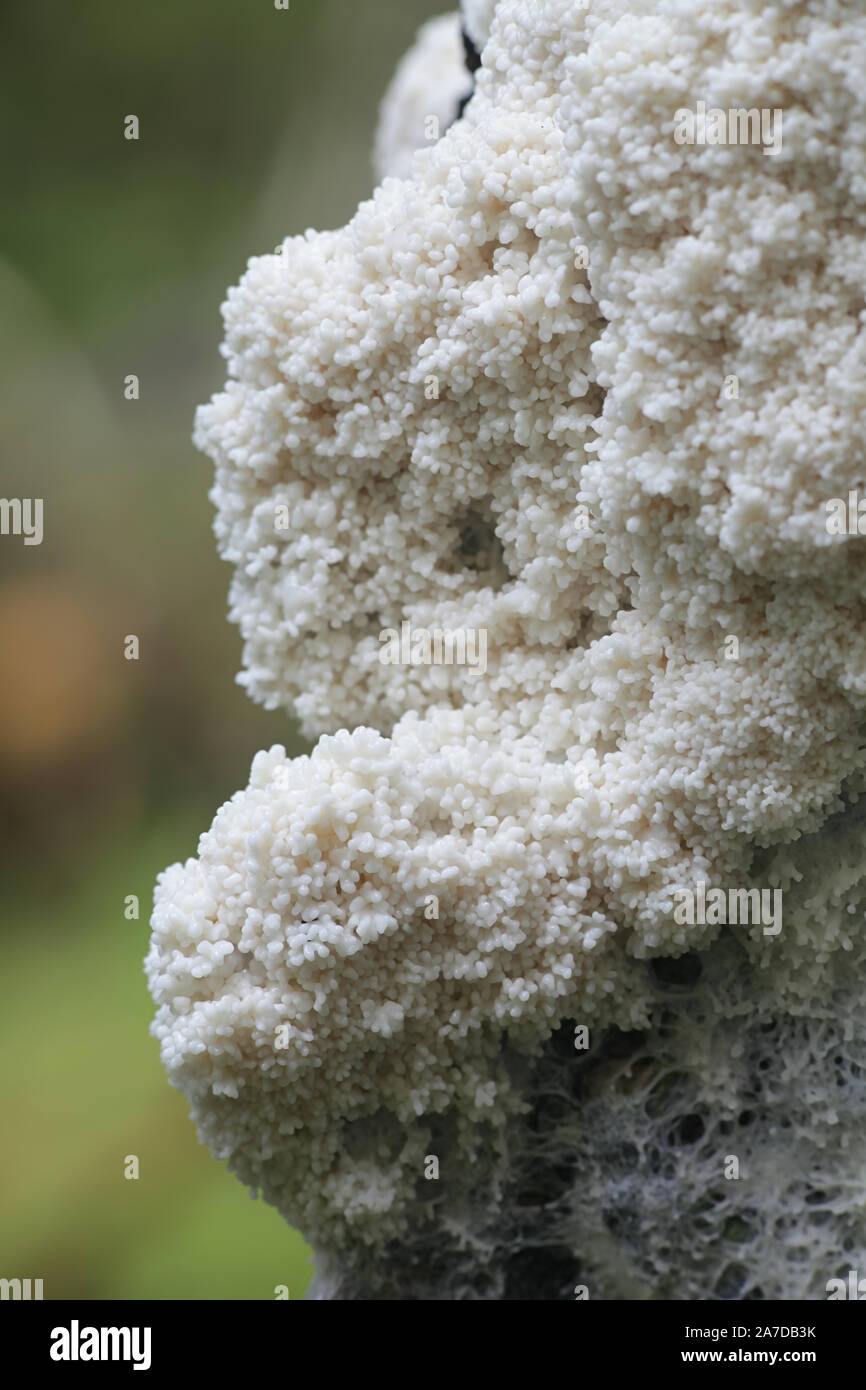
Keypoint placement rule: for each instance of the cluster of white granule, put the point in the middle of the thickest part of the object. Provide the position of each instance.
(585, 390)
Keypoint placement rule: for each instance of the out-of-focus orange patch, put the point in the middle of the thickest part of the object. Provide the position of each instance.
(64, 682)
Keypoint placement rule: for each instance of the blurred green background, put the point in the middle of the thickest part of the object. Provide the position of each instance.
(114, 258)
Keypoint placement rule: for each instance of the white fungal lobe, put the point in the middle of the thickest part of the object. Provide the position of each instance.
(424, 96)
(579, 286)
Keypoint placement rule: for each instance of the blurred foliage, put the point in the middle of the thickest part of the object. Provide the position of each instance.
(114, 257)
(82, 1091)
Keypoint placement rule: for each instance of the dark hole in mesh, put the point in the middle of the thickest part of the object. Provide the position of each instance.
(731, 1281)
(688, 1130)
(677, 972)
(542, 1274)
(479, 549)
